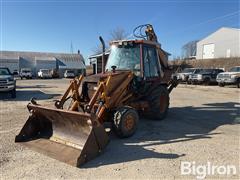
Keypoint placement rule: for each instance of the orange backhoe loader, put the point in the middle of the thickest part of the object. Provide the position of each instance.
(135, 82)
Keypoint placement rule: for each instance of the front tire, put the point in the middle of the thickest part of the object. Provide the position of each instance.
(125, 121)
(206, 82)
(159, 103)
(221, 84)
(13, 93)
(238, 83)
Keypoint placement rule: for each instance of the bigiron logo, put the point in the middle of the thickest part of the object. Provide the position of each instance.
(201, 171)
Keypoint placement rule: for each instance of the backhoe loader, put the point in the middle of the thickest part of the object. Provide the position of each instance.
(135, 81)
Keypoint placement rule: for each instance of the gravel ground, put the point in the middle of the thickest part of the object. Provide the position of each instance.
(202, 126)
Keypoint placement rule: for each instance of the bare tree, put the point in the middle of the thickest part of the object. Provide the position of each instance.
(97, 49)
(189, 49)
(118, 34)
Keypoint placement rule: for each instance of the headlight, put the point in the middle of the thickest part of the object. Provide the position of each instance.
(233, 76)
(199, 76)
(183, 76)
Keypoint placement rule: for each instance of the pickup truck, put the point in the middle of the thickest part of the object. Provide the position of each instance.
(69, 74)
(230, 77)
(184, 75)
(205, 76)
(7, 82)
(26, 73)
(44, 73)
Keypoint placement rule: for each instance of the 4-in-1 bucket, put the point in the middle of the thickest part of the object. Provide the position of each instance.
(69, 136)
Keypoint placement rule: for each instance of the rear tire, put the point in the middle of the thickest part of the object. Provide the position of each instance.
(125, 121)
(206, 81)
(238, 83)
(159, 103)
(221, 84)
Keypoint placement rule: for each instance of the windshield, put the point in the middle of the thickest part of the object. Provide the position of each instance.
(45, 71)
(235, 69)
(4, 71)
(70, 72)
(197, 71)
(207, 70)
(124, 58)
(26, 71)
(187, 70)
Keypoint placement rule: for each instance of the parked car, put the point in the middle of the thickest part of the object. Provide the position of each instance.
(69, 74)
(184, 75)
(26, 73)
(230, 77)
(44, 73)
(205, 76)
(7, 82)
(54, 73)
(15, 72)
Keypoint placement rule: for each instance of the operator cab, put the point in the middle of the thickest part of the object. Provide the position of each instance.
(139, 56)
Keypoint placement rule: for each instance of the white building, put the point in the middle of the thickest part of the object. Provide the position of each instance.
(10, 61)
(223, 43)
(16, 60)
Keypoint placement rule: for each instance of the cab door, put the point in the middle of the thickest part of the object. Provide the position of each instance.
(151, 65)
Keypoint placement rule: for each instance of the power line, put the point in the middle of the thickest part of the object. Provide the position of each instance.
(226, 16)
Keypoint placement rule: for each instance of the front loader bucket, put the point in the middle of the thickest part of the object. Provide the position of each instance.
(68, 136)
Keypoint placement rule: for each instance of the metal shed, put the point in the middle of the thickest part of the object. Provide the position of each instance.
(73, 62)
(11, 62)
(224, 43)
(96, 61)
(16, 60)
(45, 63)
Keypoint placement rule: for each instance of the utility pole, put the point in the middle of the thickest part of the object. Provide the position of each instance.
(71, 48)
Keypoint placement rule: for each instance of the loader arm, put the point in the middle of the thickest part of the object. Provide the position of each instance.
(74, 89)
(111, 93)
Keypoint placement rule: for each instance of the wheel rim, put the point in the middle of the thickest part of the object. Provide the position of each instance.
(163, 103)
(129, 122)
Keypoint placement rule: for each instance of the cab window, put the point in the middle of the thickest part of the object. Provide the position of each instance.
(150, 60)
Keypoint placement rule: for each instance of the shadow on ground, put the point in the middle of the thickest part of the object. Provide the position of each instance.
(34, 86)
(26, 95)
(182, 124)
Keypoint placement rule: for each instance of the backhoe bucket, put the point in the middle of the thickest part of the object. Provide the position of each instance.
(68, 136)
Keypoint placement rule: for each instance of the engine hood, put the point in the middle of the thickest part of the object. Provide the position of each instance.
(230, 73)
(5, 76)
(185, 73)
(101, 76)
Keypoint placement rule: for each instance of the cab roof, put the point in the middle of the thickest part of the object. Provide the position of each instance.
(135, 41)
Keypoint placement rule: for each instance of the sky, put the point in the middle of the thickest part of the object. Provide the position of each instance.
(52, 26)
